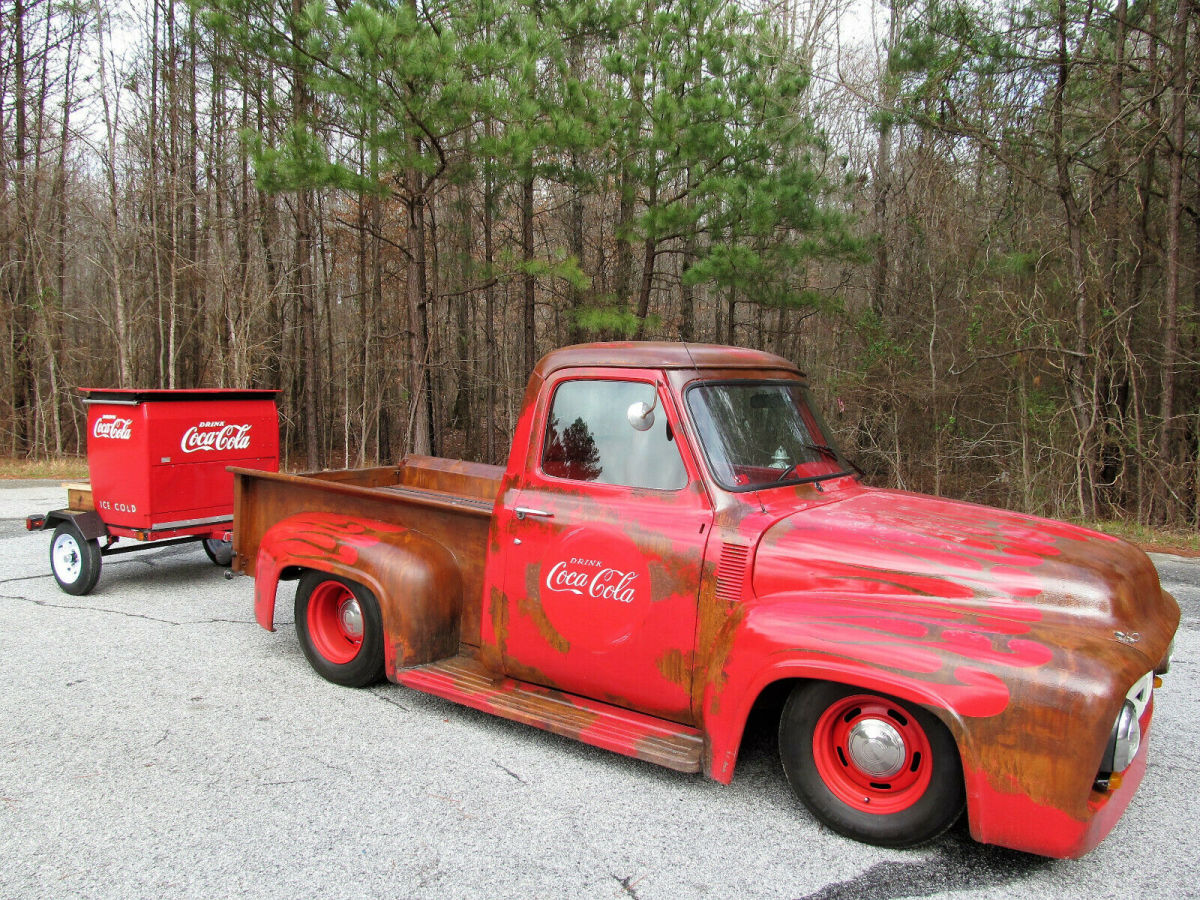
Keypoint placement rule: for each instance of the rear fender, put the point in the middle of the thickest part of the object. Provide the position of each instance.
(415, 579)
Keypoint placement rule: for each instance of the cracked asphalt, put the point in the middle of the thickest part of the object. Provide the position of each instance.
(155, 742)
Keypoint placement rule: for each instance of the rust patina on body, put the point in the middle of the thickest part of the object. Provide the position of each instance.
(640, 585)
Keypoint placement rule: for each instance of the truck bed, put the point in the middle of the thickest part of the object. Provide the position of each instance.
(448, 500)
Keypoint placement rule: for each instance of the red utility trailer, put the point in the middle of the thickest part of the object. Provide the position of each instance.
(157, 462)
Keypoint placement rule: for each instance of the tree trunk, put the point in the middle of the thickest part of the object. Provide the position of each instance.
(649, 254)
(1170, 315)
(1076, 365)
(528, 280)
(304, 280)
(22, 368)
(883, 172)
(489, 304)
(418, 385)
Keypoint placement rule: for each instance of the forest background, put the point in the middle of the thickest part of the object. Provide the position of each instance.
(974, 223)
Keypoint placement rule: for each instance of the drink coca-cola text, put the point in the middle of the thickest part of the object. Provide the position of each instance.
(110, 426)
(605, 583)
(215, 436)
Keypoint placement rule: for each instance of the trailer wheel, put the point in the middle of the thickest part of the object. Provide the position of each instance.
(74, 560)
(220, 552)
(340, 629)
(870, 766)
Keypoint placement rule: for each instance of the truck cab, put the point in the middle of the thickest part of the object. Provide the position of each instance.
(618, 479)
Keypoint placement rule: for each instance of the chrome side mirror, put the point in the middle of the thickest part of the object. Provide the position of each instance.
(640, 415)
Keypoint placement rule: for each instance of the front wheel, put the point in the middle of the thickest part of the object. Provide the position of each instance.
(870, 766)
(74, 560)
(340, 629)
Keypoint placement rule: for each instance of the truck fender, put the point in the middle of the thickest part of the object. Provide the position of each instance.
(725, 731)
(416, 580)
(837, 639)
(985, 675)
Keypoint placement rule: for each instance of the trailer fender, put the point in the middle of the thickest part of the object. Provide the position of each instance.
(89, 523)
(415, 579)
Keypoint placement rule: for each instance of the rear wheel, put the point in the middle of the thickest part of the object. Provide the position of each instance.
(870, 766)
(220, 552)
(74, 560)
(340, 629)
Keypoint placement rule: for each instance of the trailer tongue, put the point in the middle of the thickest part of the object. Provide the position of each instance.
(157, 462)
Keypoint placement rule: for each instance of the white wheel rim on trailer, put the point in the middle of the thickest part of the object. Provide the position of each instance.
(68, 560)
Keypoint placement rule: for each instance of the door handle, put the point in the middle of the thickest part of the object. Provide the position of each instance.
(526, 512)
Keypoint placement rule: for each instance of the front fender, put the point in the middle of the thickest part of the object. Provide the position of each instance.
(416, 580)
(764, 642)
(1030, 702)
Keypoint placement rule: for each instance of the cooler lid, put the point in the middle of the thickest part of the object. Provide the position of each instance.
(133, 396)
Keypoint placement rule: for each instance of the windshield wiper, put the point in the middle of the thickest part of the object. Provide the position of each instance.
(811, 478)
(823, 448)
(833, 454)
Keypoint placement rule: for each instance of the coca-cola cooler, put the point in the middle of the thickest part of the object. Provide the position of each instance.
(158, 458)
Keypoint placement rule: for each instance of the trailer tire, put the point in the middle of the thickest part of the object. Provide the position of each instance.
(869, 766)
(340, 629)
(74, 560)
(220, 552)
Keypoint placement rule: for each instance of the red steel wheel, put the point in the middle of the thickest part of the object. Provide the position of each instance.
(335, 621)
(872, 754)
(870, 766)
(340, 629)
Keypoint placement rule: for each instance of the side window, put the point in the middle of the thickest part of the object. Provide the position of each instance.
(588, 438)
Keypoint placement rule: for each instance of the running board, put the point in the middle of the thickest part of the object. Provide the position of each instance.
(464, 680)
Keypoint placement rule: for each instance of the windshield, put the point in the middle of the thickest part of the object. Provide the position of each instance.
(760, 434)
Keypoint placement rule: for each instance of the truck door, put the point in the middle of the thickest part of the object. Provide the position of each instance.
(604, 549)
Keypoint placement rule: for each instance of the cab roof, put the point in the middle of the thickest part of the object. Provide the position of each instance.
(659, 355)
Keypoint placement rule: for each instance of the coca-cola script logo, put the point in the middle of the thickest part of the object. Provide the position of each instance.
(590, 577)
(215, 436)
(114, 427)
(595, 587)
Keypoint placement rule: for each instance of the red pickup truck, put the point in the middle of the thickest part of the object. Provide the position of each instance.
(675, 536)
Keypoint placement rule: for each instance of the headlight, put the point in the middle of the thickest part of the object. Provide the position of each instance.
(1124, 741)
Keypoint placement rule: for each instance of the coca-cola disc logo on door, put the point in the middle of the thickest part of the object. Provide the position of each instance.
(113, 427)
(206, 436)
(595, 587)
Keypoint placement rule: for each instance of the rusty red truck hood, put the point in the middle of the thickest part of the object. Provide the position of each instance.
(878, 543)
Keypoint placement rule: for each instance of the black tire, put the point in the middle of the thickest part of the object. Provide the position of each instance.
(911, 790)
(220, 552)
(74, 560)
(325, 604)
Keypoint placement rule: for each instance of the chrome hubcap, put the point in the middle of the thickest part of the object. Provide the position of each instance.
(876, 748)
(350, 618)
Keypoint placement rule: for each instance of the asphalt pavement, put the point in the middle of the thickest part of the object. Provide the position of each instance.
(155, 742)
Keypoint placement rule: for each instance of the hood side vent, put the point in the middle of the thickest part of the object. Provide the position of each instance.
(731, 572)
